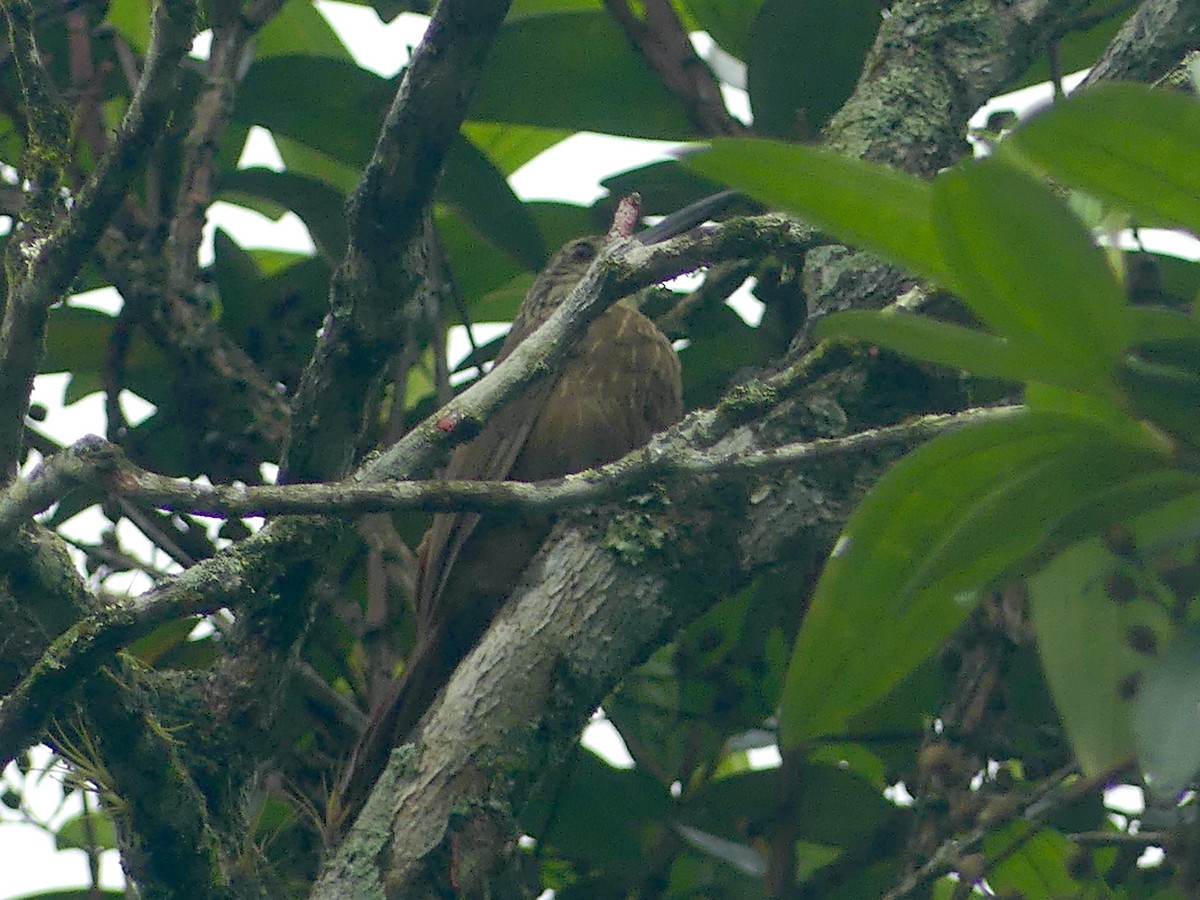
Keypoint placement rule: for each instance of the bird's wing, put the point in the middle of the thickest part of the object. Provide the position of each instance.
(487, 457)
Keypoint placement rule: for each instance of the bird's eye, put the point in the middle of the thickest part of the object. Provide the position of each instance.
(582, 250)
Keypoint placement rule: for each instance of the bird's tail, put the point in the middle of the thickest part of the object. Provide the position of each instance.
(407, 699)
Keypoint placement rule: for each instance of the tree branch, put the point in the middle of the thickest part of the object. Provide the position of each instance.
(45, 257)
(619, 271)
(102, 467)
(663, 43)
(229, 61)
(227, 580)
(1150, 43)
(239, 577)
(380, 274)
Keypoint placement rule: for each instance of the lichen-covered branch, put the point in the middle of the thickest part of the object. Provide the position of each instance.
(243, 579)
(232, 578)
(102, 469)
(1150, 43)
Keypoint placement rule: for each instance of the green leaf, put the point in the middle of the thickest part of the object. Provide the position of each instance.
(536, 75)
(478, 267)
(302, 160)
(238, 279)
(665, 186)
(952, 345)
(719, 344)
(1038, 868)
(867, 205)
(1141, 493)
(524, 9)
(1166, 395)
(1078, 49)
(332, 105)
(481, 194)
(598, 812)
(742, 856)
(166, 637)
(1165, 717)
(1150, 324)
(76, 339)
(1133, 146)
(942, 523)
(81, 385)
(317, 203)
(93, 831)
(803, 60)
(511, 146)
(273, 317)
(131, 19)
(1028, 268)
(1087, 660)
(728, 22)
(299, 29)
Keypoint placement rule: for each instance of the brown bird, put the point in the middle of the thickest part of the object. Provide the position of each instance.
(622, 385)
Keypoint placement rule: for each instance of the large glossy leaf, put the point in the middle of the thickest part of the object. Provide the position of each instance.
(1167, 395)
(298, 28)
(332, 105)
(803, 60)
(473, 185)
(511, 146)
(1150, 324)
(865, 204)
(538, 74)
(942, 523)
(1028, 268)
(316, 202)
(728, 22)
(1134, 496)
(1135, 147)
